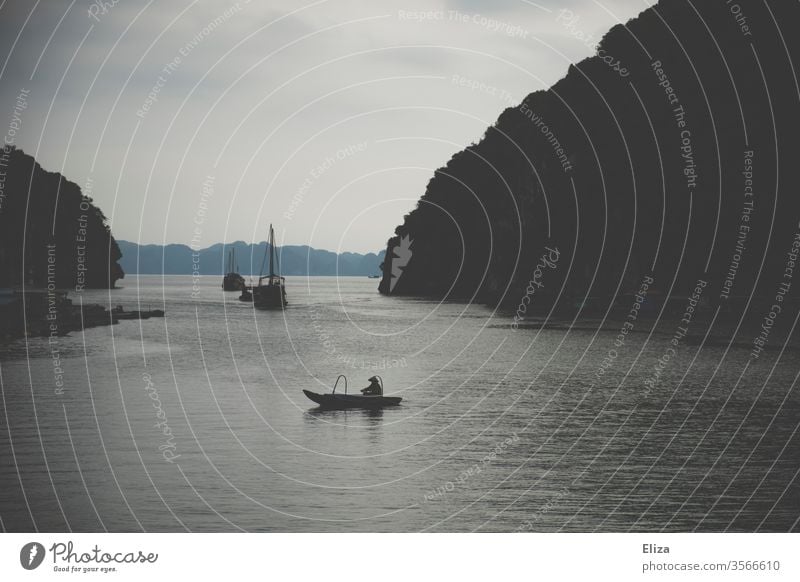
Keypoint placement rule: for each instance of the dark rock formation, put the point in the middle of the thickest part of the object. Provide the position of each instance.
(680, 167)
(50, 233)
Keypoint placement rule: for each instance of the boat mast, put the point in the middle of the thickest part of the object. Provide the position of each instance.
(271, 251)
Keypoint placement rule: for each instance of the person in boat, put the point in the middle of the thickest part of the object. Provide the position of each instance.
(374, 388)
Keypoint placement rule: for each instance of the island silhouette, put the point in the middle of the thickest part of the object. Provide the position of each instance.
(52, 233)
(669, 154)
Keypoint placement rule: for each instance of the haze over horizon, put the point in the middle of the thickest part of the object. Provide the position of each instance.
(208, 121)
(252, 242)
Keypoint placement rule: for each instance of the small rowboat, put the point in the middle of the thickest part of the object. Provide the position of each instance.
(341, 401)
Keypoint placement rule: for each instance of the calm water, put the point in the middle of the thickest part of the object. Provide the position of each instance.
(499, 430)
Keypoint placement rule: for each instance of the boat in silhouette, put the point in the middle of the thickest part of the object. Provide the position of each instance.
(270, 293)
(334, 401)
(247, 294)
(232, 281)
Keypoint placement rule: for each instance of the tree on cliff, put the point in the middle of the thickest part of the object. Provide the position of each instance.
(49, 231)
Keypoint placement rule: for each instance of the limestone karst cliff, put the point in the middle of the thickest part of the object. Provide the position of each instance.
(670, 154)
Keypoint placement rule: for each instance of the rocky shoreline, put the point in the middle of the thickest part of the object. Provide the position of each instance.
(50, 313)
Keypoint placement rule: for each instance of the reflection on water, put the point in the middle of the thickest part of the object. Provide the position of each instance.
(498, 430)
(352, 417)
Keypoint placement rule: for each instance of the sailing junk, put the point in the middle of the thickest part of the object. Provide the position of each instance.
(270, 292)
(232, 281)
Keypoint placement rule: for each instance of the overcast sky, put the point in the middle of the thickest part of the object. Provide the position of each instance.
(326, 118)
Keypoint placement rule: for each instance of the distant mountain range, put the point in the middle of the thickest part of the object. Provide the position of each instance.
(177, 259)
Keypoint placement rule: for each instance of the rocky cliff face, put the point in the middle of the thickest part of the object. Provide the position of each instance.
(670, 154)
(50, 233)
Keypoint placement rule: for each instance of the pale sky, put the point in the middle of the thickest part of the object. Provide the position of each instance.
(258, 95)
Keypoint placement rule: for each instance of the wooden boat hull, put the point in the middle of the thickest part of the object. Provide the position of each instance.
(272, 296)
(233, 282)
(342, 401)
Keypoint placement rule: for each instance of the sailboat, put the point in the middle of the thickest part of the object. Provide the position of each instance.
(270, 293)
(232, 281)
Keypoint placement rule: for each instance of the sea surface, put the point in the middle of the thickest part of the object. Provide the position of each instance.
(198, 422)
